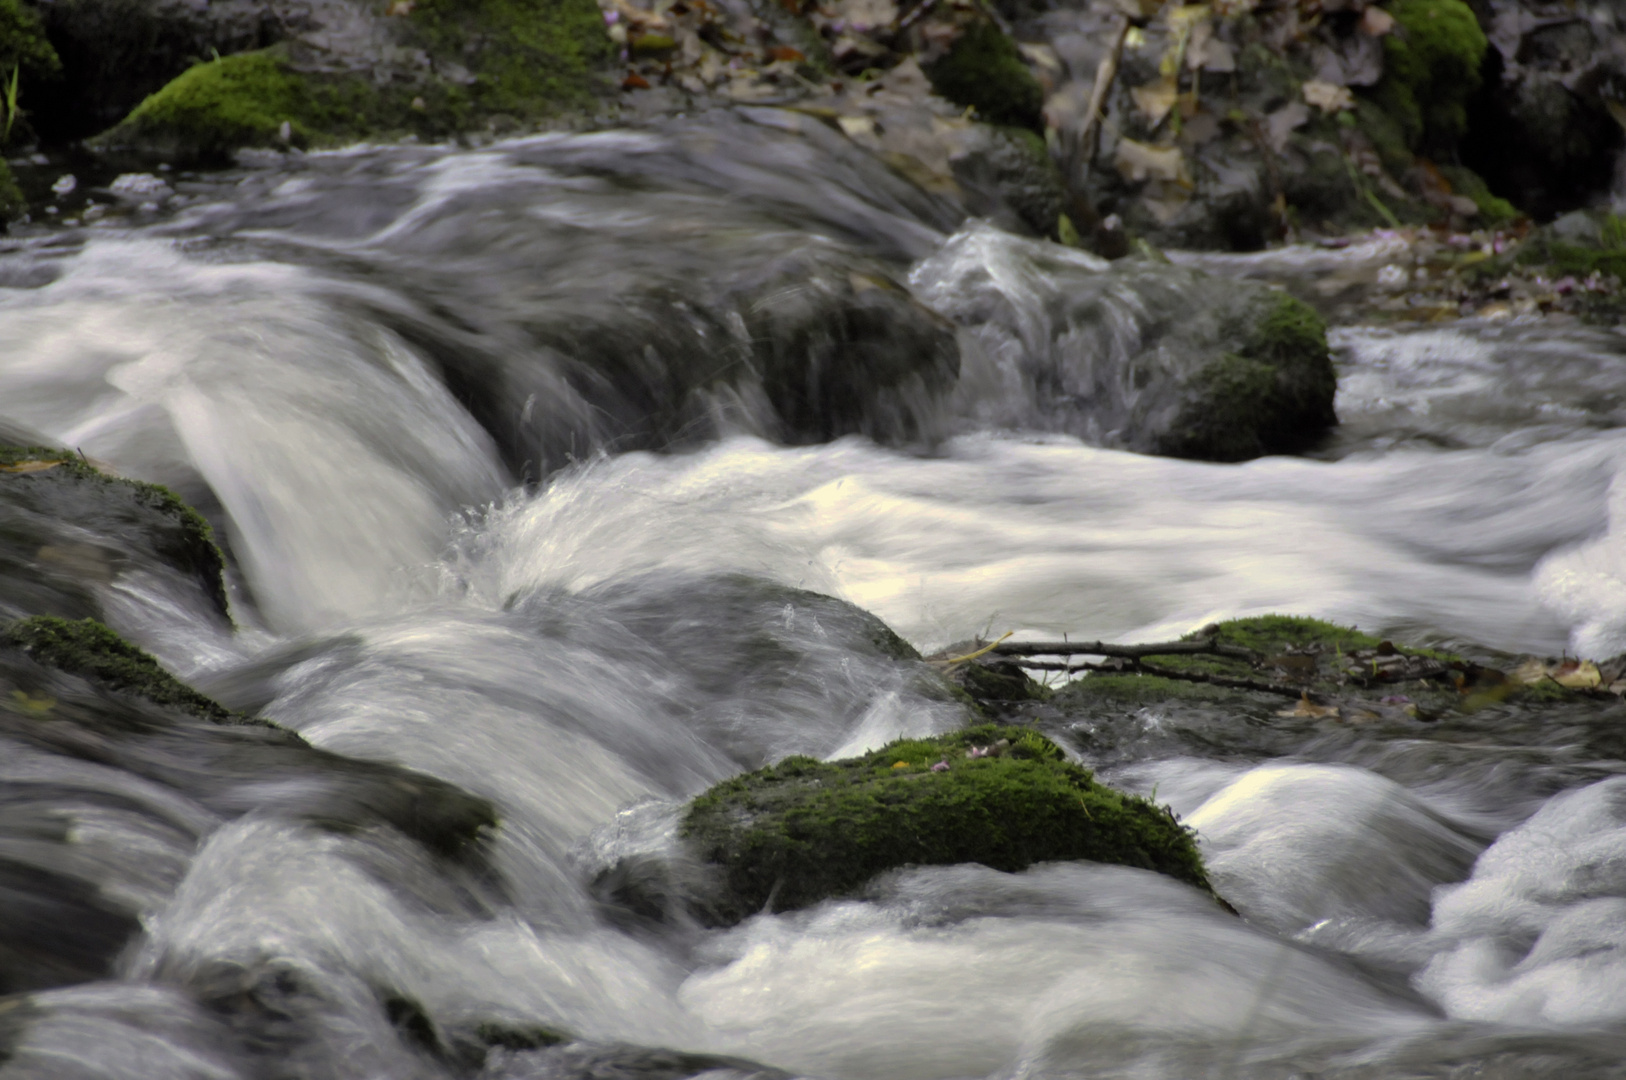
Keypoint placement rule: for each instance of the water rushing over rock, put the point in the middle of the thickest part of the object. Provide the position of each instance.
(572, 476)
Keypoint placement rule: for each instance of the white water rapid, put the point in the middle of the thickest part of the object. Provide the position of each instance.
(1439, 903)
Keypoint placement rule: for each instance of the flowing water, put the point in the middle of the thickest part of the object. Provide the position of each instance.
(491, 436)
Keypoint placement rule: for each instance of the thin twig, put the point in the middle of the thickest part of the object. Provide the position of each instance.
(1089, 135)
(1204, 647)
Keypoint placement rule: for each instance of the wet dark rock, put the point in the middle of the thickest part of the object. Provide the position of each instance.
(1139, 353)
(69, 531)
(112, 737)
(1545, 129)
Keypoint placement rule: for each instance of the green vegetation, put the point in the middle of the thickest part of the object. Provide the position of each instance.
(985, 71)
(1493, 210)
(87, 648)
(799, 832)
(1142, 689)
(23, 45)
(529, 59)
(1274, 392)
(1430, 70)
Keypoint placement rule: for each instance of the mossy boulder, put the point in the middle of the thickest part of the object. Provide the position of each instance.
(802, 831)
(1431, 69)
(1273, 392)
(66, 528)
(984, 70)
(450, 67)
(1139, 353)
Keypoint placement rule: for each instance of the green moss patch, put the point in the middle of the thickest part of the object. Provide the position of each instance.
(86, 648)
(1273, 393)
(1431, 69)
(1493, 210)
(985, 71)
(528, 57)
(802, 831)
(524, 60)
(23, 44)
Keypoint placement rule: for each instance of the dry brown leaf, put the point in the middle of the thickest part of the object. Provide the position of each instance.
(1137, 161)
(1307, 708)
(1578, 675)
(29, 466)
(1155, 99)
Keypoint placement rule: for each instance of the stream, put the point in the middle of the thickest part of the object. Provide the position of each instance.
(453, 550)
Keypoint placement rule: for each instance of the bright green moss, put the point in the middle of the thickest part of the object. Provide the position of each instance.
(239, 100)
(799, 832)
(985, 71)
(1266, 634)
(529, 57)
(1431, 69)
(87, 648)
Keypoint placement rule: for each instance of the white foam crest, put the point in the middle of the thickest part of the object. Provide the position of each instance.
(267, 896)
(1050, 537)
(1586, 584)
(850, 990)
(334, 451)
(1292, 845)
(1538, 934)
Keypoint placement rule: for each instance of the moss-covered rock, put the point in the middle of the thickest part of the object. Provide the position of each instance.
(86, 647)
(502, 61)
(985, 71)
(1431, 69)
(803, 830)
(1273, 393)
(65, 525)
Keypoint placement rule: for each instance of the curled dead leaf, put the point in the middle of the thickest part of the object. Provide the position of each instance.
(1328, 97)
(1155, 99)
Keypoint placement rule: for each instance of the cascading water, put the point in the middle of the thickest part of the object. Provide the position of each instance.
(517, 493)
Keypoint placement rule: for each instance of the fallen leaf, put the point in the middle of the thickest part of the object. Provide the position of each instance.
(29, 466)
(1307, 708)
(785, 52)
(1328, 97)
(399, 8)
(635, 81)
(1155, 99)
(1578, 675)
(1139, 161)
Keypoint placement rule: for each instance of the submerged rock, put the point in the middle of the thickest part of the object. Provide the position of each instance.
(802, 831)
